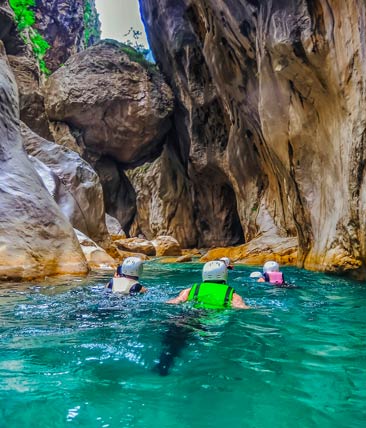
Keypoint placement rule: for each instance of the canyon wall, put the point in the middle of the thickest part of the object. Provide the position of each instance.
(271, 108)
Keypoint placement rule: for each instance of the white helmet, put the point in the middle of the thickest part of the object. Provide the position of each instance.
(132, 266)
(271, 267)
(226, 260)
(256, 275)
(214, 271)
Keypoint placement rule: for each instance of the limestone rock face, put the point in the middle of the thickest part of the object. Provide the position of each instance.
(271, 102)
(121, 108)
(62, 24)
(119, 195)
(31, 101)
(258, 251)
(79, 192)
(36, 240)
(114, 228)
(96, 257)
(163, 200)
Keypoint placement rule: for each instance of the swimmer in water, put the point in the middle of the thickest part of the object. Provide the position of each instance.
(126, 279)
(213, 292)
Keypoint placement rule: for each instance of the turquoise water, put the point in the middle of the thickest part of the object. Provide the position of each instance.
(72, 355)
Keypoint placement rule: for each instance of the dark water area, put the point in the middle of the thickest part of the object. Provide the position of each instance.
(74, 355)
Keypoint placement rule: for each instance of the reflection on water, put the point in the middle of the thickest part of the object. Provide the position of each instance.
(75, 355)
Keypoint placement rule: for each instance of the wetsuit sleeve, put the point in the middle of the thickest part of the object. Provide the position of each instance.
(266, 277)
(135, 288)
(110, 284)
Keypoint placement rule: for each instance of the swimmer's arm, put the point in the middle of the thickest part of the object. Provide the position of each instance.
(183, 296)
(238, 302)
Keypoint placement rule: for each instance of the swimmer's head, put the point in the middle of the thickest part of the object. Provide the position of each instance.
(271, 267)
(215, 271)
(132, 266)
(256, 275)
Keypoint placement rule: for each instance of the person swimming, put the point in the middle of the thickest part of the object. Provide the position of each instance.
(213, 292)
(272, 275)
(126, 279)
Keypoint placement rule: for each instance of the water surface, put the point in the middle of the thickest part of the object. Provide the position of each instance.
(74, 355)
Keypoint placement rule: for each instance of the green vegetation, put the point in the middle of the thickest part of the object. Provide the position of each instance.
(24, 13)
(91, 27)
(25, 17)
(138, 56)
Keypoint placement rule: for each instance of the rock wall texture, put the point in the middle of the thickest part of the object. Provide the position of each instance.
(77, 190)
(63, 23)
(271, 111)
(36, 240)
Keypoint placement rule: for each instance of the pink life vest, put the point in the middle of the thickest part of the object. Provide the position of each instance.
(275, 277)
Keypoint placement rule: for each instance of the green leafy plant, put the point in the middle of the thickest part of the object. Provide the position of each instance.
(25, 18)
(24, 13)
(91, 28)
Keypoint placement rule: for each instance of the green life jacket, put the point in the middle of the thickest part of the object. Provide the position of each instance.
(211, 295)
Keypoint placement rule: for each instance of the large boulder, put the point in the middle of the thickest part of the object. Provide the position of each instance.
(126, 118)
(167, 246)
(36, 239)
(271, 105)
(136, 245)
(81, 194)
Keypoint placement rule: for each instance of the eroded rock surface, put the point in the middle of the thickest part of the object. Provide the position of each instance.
(258, 251)
(96, 257)
(79, 192)
(62, 24)
(121, 108)
(271, 102)
(36, 240)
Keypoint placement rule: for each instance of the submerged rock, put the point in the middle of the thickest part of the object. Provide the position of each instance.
(121, 108)
(36, 240)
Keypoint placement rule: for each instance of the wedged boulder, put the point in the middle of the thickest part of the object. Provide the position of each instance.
(258, 251)
(96, 257)
(114, 228)
(36, 239)
(126, 118)
(79, 192)
(136, 245)
(167, 246)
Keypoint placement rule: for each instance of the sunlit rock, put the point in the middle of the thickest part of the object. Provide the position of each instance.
(36, 239)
